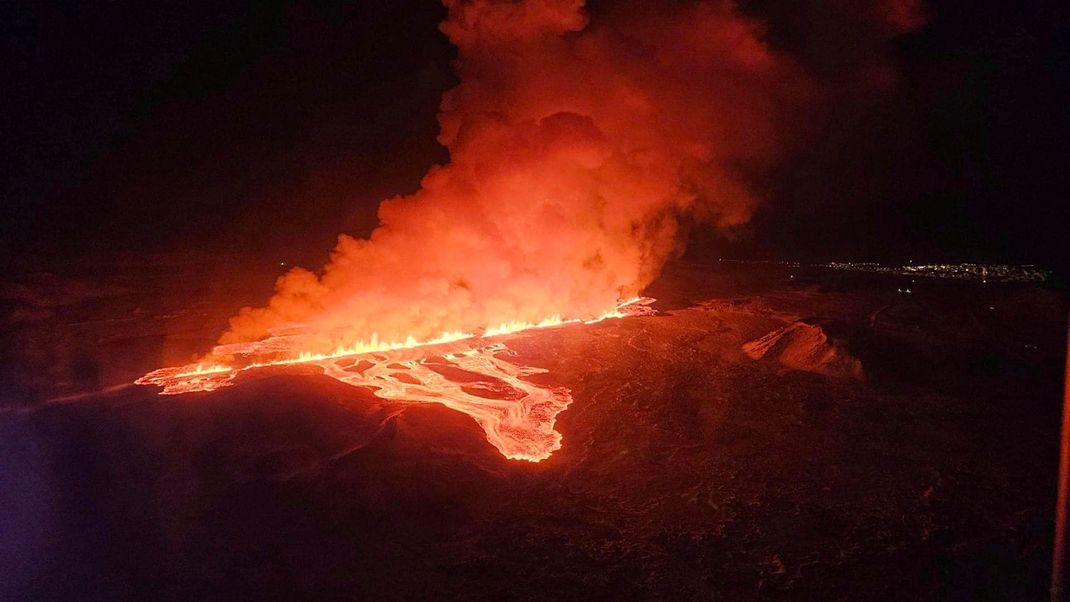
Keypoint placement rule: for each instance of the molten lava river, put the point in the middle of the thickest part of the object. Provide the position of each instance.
(470, 373)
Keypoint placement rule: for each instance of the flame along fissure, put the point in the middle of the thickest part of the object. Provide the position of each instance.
(517, 416)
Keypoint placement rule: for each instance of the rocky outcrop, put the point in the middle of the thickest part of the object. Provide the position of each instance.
(807, 347)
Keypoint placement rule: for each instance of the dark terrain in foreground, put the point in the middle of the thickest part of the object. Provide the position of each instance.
(688, 470)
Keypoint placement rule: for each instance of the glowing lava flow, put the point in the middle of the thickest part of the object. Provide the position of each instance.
(462, 371)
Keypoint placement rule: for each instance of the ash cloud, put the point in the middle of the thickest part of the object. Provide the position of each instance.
(579, 144)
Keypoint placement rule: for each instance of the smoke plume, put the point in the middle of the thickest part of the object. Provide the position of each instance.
(578, 146)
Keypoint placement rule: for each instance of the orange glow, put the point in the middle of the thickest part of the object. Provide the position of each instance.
(574, 152)
(578, 153)
(517, 416)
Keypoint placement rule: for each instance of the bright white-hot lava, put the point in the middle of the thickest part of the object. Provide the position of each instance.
(466, 372)
(582, 144)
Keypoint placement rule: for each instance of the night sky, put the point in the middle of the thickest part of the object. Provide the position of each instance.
(269, 127)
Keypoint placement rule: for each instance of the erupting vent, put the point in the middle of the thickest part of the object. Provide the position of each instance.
(465, 372)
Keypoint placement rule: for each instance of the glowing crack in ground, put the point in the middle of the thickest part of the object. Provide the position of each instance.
(468, 374)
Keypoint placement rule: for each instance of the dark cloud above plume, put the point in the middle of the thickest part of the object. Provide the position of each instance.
(941, 136)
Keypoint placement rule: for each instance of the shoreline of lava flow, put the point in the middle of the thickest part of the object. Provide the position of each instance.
(517, 416)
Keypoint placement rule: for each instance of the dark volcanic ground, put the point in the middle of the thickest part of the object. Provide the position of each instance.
(689, 471)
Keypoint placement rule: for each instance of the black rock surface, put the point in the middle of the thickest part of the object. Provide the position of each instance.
(688, 470)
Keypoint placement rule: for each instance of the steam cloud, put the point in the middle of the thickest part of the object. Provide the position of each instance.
(578, 148)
